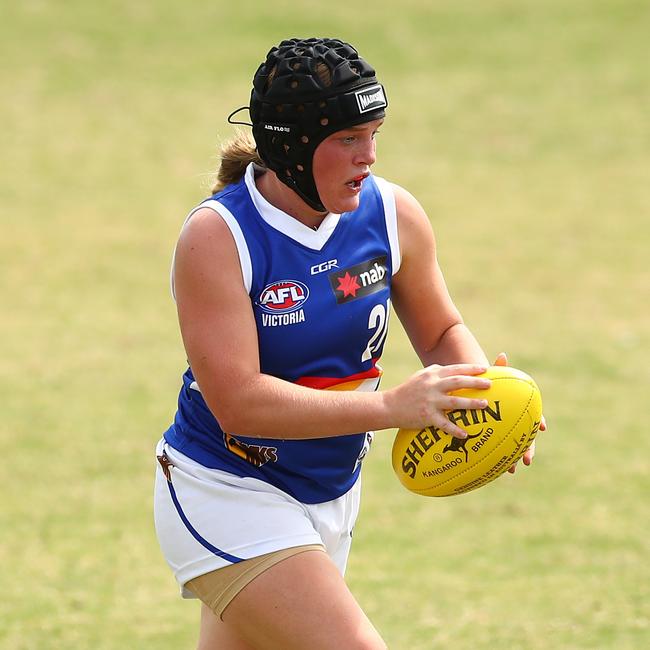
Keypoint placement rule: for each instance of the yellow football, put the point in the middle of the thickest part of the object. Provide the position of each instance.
(433, 463)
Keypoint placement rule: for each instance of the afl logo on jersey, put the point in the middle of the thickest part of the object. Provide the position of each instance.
(283, 297)
(283, 300)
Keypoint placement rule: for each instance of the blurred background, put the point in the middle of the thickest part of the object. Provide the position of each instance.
(522, 127)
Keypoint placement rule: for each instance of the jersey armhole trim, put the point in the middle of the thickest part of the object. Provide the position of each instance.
(390, 214)
(240, 242)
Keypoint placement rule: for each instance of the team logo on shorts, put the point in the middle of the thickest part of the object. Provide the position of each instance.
(281, 303)
(359, 280)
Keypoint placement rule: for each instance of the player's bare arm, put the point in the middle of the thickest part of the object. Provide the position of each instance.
(420, 296)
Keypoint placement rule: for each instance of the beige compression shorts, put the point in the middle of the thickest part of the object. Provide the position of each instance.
(218, 531)
(218, 588)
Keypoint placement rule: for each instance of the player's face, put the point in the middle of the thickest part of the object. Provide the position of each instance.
(341, 163)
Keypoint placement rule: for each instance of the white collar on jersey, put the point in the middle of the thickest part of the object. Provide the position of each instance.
(287, 224)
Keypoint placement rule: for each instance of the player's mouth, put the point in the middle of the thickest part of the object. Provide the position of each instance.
(355, 183)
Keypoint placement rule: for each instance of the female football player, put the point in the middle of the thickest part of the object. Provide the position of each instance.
(284, 282)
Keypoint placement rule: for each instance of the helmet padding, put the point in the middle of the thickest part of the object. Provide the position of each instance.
(306, 90)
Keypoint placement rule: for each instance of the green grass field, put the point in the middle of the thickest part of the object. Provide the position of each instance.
(523, 129)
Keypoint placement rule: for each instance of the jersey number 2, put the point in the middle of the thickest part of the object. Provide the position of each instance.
(378, 322)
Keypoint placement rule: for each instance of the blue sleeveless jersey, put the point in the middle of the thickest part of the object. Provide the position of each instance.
(321, 301)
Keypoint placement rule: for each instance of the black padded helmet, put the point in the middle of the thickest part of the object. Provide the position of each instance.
(306, 90)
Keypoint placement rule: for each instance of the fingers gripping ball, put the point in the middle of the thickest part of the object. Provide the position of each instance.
(432, 463)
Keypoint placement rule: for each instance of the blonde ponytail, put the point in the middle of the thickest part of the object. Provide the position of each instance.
(235, 156)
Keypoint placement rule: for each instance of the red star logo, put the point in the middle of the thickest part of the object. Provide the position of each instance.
(348, 285)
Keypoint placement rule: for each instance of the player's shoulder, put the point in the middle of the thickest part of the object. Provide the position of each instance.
(205, 231)
(410, 213)
(404, 200)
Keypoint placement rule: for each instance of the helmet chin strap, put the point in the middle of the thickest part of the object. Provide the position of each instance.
(312, 200)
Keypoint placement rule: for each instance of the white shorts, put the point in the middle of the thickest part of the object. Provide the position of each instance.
(207, 519)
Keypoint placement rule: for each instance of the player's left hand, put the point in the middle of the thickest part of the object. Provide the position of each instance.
(529, 454)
